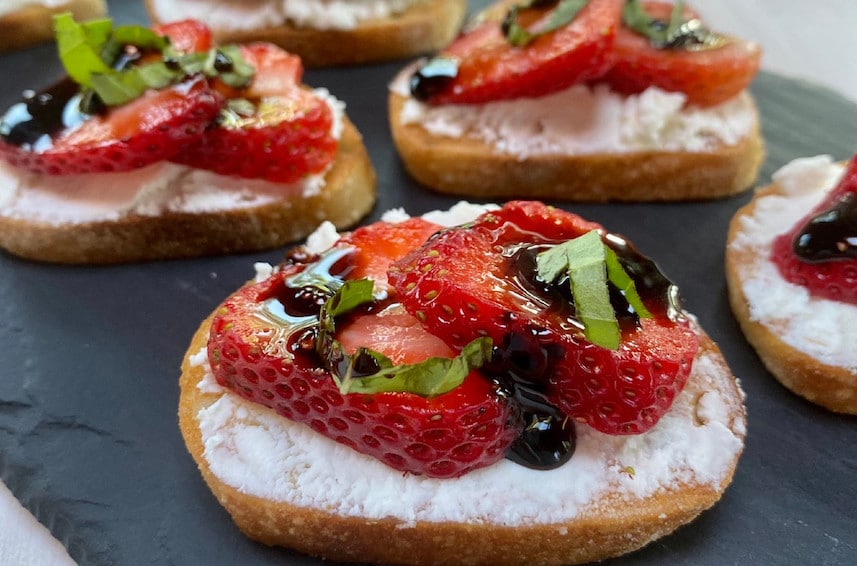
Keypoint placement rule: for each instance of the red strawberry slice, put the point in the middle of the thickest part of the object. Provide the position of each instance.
(382, 243)
(490, 68)
(285, 137)
(706, 76)
(262, 354)
(827, 240)
(187, 36)
(479, 280)
(151, 128)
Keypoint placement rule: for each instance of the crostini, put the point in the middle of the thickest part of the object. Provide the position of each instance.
(592, 101)
(24, 23)
(160, 144)
(375, 386)
(792, 278)
(327, 32)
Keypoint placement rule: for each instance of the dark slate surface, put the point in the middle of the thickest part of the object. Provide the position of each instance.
(90, 360)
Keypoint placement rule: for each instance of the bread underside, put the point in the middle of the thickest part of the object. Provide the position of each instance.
(470, 167)
(348, 194)
(832, 387)
(33, 23)
(610, 526)
(423, 28)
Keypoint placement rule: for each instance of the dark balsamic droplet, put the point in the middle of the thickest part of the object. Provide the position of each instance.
(830, 235)
(433, 77)
(31, 122)
(222, 63)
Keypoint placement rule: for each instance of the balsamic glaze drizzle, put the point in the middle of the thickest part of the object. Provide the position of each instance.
(830, 235)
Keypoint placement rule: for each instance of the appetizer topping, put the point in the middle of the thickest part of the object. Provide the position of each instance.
(489, 68)
(482, 280)
(474, 349)
(273, 129)
(674, 33)
(267, 346)
(709, 71)
(563, 13)
(820, 252)
(135, 96)
(587, 263)
(544, 46)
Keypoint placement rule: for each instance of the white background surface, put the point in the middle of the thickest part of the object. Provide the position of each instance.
(815, 41)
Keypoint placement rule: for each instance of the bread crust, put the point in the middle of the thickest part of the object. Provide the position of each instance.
(348, 194)
(470, 167)
(33, 23)
(832, 387)
(422, 28)
(611, 526)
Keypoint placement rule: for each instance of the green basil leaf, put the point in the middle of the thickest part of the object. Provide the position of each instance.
(620, 278)
(117, 88)
(351, 295)
(565, 12)
(79, 47)
(429, 378)
(583, 259)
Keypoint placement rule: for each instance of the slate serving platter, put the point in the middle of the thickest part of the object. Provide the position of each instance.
(89, 363)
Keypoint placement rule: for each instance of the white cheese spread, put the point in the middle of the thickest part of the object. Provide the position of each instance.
(818, 327)
(240, 15)
(260, 453)
(148, 191)
(585, 120)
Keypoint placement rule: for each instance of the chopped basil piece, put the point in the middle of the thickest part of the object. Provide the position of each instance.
(620, 278)
(565, 12)
(429, 378)
(589, 264)
(674, 34)
(79, 47)
(90, 53)
(368, 371)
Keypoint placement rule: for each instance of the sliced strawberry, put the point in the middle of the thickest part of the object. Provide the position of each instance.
(382, 243)
(479, 280)
(490, 68)
(187, 36)
(708, 76)
(262, 347)
(286, 136)
(151, 128)
(826, 240)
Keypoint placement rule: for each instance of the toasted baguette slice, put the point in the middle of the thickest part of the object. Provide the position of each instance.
(422, 28)
(471, 167)
(33, 23)
(347, 195)
(286, 485)
(808, 374)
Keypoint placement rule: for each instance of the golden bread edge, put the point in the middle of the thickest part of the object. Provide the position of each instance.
(470, 167)
(832, 387)
(609, 527)
(423, 28)
(349, 194)
(33, 23)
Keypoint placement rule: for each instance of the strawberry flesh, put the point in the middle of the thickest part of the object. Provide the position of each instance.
(480, 280)
(707, 76)
(151, 128)
(820, 251)
(489, 68)
(288, 135)
(262, 347)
